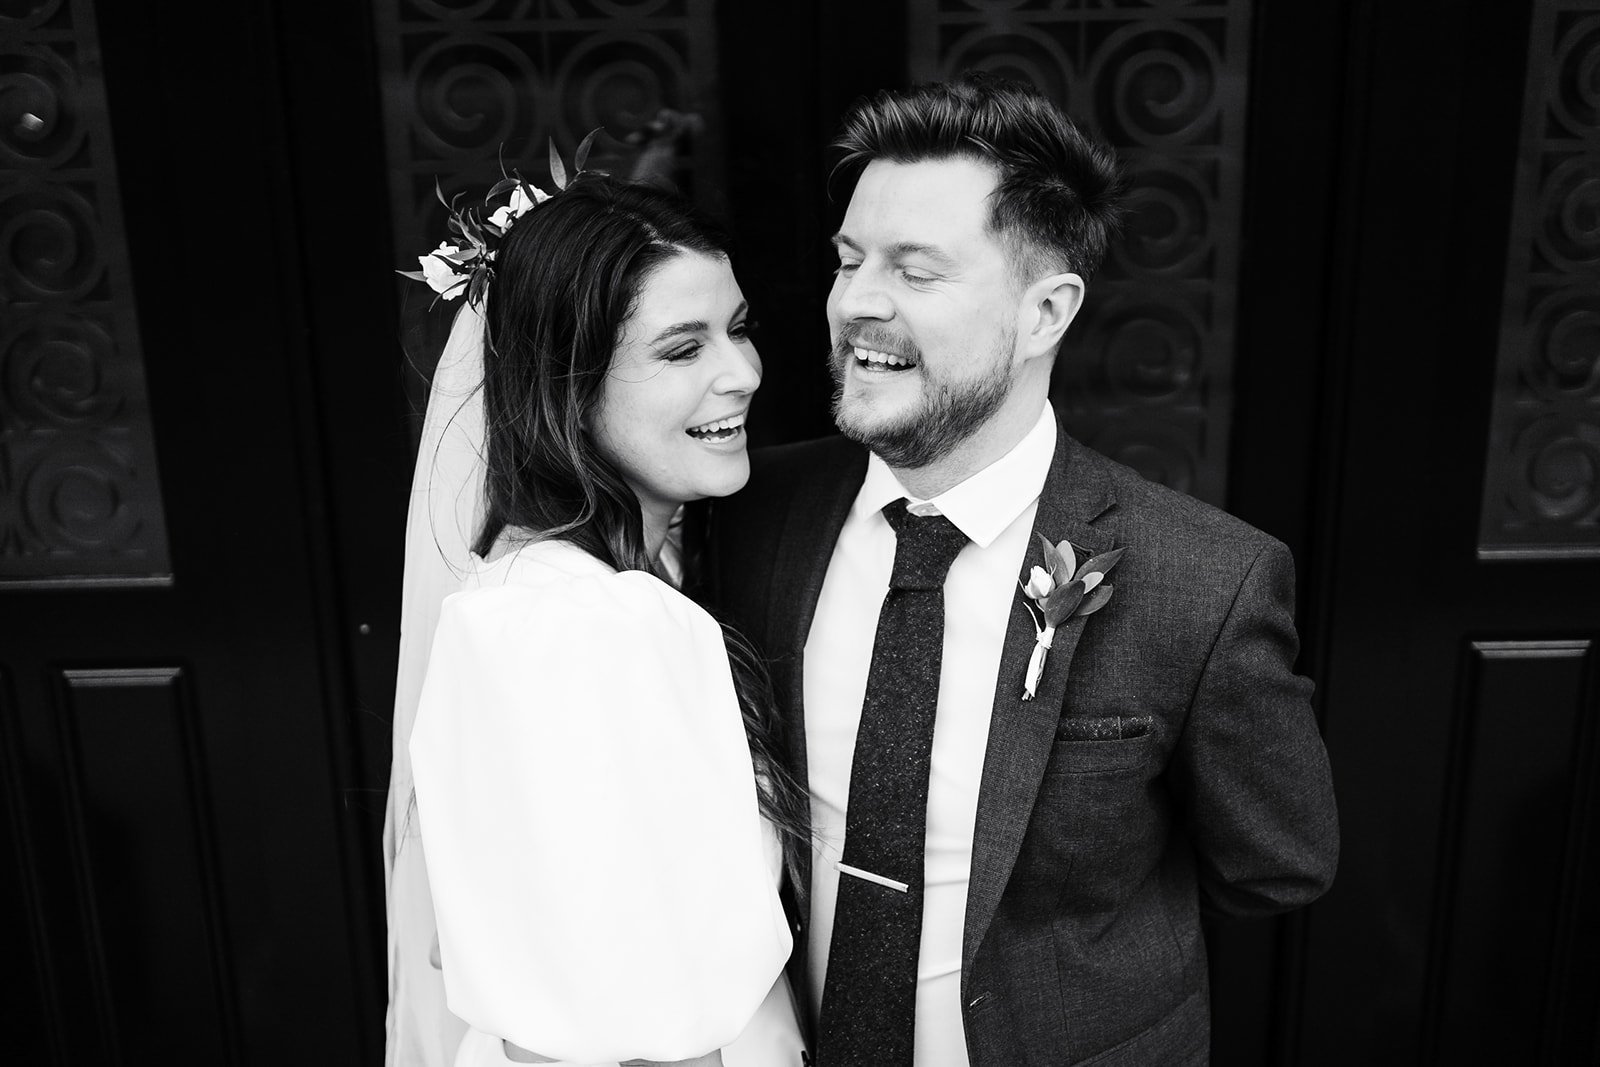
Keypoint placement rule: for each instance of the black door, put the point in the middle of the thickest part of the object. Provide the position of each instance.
(1356, 304)
(201, 469)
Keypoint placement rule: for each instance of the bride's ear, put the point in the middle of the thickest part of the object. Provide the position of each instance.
(1049, 306)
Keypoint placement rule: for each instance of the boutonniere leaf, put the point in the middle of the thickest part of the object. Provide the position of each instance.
(1060, 591)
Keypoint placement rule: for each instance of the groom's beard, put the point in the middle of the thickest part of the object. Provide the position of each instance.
(948, 413)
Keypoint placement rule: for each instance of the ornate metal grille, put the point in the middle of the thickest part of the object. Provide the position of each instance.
(1146, 373)
(1541, 495)
(80, 500)
(464, 80)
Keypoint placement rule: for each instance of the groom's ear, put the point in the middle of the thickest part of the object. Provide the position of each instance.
(1049, 305)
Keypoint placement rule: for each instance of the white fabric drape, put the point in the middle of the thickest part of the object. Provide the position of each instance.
(600, 868)
(445, 513)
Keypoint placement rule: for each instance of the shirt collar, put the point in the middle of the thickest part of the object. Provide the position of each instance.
(986, 503)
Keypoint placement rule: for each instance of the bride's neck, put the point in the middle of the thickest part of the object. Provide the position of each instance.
(656, 525)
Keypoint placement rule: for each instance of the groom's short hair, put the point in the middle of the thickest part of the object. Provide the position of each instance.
(1057, 198)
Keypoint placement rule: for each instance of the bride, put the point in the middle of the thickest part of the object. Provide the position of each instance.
(592, 764)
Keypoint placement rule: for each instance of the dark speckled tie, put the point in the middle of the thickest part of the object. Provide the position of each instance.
(869, 997)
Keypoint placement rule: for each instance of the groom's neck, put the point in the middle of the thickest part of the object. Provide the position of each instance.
(991, 441)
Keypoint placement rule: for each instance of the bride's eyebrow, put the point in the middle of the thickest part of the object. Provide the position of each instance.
(693, 326)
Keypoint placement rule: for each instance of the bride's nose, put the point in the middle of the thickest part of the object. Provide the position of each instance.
(738, 369)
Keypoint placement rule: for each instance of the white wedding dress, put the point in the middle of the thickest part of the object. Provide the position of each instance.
(565, 927)
(604, 884)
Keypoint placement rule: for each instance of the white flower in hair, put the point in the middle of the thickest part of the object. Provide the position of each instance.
(468, 265)
(521, 203)
(440, 273)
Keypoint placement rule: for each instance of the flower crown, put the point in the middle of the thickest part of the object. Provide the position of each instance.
(465, 263)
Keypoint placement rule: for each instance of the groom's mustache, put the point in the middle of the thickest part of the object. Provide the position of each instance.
(859, 333)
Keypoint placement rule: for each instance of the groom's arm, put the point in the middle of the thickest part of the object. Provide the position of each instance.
(1250, 770)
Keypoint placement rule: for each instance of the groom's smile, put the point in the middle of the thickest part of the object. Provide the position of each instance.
(922, 312)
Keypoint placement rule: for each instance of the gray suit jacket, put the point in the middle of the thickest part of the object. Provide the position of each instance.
(1170, 763)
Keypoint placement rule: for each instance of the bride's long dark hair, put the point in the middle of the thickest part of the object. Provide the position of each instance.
(567, 279)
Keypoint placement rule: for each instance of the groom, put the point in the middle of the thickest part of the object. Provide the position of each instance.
(1001, 878)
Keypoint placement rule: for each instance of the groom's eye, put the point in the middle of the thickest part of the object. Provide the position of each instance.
(846, 267)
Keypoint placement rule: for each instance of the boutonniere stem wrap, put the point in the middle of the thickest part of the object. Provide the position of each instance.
(1058, 591)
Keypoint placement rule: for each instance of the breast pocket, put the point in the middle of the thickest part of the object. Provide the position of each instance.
(1102, 814)
(1102, 744)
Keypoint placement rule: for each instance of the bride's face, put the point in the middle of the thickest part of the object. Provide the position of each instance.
(671, 411)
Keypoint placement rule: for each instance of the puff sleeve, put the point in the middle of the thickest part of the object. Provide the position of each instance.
(595, 849)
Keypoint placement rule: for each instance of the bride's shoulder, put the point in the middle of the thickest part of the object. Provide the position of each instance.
(559, 581)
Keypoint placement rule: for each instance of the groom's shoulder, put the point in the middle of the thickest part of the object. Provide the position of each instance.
(1164, 513)
(778, 472)
(819, 457)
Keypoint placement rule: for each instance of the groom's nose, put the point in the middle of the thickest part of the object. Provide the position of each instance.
(863, 295)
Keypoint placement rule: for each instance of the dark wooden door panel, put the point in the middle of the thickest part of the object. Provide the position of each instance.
(1515, 775)
(142, 816)
(178, 754)
(1458, 687)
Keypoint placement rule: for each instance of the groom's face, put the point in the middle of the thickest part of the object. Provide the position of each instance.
(923, 313)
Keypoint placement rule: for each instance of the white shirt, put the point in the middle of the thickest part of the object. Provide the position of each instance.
(995, 509)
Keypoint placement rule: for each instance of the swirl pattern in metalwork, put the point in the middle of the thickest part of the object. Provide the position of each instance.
(1165, 83)
(1558, 462)
(1156, 448)
(19, 15)
(1561, 352)
(1025, 54)
(48, 242)
(1542, 474)
(1168, 225)
(40, 124)
(79, 490)
(56, 373)
(471, 82)
(1575, 103)
(1159, 85)
(619, 81)
(467, 98)
(1569, 206)
(77, 496)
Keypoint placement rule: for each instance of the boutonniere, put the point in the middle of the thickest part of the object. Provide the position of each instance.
(1062, 590)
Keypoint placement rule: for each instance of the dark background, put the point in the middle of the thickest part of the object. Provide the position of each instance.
(1394, 366)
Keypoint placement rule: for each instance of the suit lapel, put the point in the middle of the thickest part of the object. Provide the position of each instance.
(811, 526)
(1022, 732)
(816, 514)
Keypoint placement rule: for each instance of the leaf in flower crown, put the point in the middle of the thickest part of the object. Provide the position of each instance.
(1097, 599)
(475, 288)
(1059, 605)
(558, 170)
(414, 275)
(437, 191)
(501, 186)
(581, 156)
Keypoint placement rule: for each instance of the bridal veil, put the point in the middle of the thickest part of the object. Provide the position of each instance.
(445, 512)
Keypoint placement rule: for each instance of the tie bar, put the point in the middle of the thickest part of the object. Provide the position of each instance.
(845, 868)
